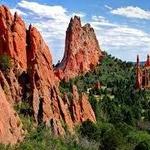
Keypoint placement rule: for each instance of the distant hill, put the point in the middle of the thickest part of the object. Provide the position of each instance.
(141, 63)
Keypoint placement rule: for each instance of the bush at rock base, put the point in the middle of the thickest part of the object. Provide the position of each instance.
(5, 62)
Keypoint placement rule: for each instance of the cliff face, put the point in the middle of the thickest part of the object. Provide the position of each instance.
(32, 67)
(48, 106)
(45, 93)
(82, 51)
(13, 37)
(13, 44)
(10, 124)
(80, 107)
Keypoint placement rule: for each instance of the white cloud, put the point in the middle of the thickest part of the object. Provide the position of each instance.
(108, 7)
(41, 10)
(132, 12)
(100, 20)
(18, 11)
(120, 40)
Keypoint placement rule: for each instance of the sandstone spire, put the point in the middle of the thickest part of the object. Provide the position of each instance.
(147, 64)
(82, 51)
(13, 37)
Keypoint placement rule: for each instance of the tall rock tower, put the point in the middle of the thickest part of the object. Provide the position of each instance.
(138, 74)
(82, 51)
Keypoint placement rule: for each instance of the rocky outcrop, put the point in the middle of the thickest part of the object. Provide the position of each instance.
(6, 88)
(13, 37)
(10, 125)
(32, 70)
(48, 106)
(11, 86)
(82, 51)
(13, 44)
(45, 92)
(80, 107)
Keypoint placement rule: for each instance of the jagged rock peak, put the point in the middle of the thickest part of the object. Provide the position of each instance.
(81, 109)
(82, 51)
(13, 37)
(5, 13)
(74, 22)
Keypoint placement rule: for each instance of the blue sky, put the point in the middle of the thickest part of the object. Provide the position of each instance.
(121, 26)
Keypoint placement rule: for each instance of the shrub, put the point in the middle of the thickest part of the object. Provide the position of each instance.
(24, 110)
(42, 139)
(5, 62)
(142, 146)
(138, 136)
(90, 130)
(111, 140)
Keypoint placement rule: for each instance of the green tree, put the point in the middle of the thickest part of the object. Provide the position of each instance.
(111, 140)
(142, 146)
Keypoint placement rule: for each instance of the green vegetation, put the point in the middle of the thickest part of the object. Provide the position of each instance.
(41, 138)
(5, 62)
(123, 113)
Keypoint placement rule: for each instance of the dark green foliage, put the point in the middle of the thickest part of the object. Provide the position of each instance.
(90, 130)
(142, 146)
(5, 62)
(108, 137)
(138, 136)
(42, 139)
(111, 140)
(25, 113)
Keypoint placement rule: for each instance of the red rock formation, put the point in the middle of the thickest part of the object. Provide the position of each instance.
(13, 37)
(10, 124)
(6, 88)
(86, 109)
(11, 86)
(147, 63)
(97, 85)
(143, 74)
(13, 44)
(81, 109)
(82, 51)
(31, 56)
(48, 106)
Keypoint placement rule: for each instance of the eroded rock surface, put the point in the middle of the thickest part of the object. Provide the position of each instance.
(10, 125)
(82, 51)
(48, 106)
(13, 37)
(81, 109)
(13, 45)
(32, 68)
